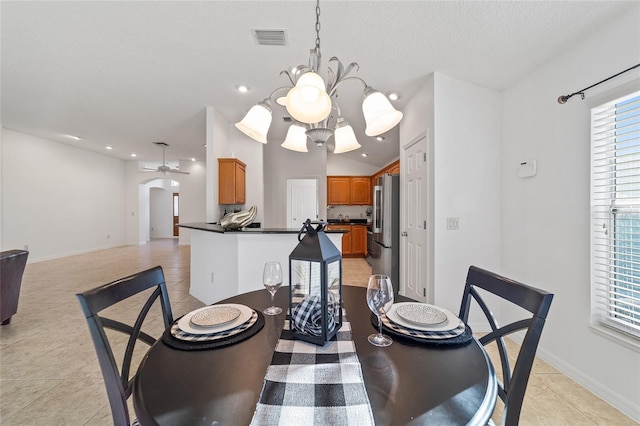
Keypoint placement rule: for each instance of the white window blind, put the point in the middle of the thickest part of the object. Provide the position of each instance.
(615, 214)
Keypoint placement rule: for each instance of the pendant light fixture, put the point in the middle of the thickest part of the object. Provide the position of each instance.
(310, 102)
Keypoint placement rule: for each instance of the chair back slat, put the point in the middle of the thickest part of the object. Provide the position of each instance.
(114, 292)
(92, 302)
(506, 330)
(535, 301)
(134, 337)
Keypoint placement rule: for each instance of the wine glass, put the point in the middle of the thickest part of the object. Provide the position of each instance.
(272, 279)
(380, 300)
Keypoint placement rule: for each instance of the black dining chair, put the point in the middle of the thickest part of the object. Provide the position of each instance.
(535, 301)
(117, 380)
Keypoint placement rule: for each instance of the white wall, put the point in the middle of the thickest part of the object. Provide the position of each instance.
(217, 134)
(339, 165)
(225, 141)
(418, 122)
(281, 164)
(138, 184)
(193, 189)
(67, 200)
(466, 170)
(418, 115)
(249, 152)
(59, 200)
(462, 121)
(161, 209)
(545, 227)
(157, 212)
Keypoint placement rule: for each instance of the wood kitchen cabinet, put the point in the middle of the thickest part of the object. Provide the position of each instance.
(338, 190)
(359, 240)
(361, 191)
(354, 240)
(393, 168)
(231, 181)
(346, 237)
(348, 190)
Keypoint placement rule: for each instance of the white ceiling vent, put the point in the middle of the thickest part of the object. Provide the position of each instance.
(270, 37)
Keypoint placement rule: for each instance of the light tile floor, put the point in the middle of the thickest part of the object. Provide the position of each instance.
(49, 374)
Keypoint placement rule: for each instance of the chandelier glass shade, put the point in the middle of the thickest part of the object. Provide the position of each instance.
(310, 101)
(345, 138)
(296, 139)
(379, 114)
(257, 122)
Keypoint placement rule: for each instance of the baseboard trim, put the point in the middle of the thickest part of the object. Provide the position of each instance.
(600, 390)
(73, 253)
(613, 398)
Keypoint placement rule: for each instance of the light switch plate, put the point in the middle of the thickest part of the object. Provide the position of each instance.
(453, 223)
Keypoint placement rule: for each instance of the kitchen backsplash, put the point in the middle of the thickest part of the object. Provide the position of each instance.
(354, 212)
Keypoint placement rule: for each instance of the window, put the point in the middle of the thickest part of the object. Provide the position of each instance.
(615, 214)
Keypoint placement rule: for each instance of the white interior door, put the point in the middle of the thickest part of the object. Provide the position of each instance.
(302, 201)
(415, 255)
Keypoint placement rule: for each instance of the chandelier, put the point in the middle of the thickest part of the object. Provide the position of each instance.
(310, 103)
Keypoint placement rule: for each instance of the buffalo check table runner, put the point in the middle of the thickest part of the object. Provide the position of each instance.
(309, 384)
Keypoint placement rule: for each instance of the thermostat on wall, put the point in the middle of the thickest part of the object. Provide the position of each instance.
(527, 168)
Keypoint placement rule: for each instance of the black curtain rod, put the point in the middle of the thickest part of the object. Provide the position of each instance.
(564, 98)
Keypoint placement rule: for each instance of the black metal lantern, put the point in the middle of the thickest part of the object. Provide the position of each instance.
(315, 291)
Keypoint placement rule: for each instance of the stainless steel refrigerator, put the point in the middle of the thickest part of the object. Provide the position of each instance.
(385, 244)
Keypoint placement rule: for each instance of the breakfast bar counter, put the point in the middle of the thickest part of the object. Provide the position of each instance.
(225, 263)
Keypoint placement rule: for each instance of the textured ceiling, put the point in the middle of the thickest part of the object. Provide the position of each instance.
(129, 73)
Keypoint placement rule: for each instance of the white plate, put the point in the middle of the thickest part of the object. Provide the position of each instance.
(419, 313)
(215, 316)
(452, 320)
(185, 322)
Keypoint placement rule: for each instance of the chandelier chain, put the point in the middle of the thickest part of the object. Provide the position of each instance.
(318, 24)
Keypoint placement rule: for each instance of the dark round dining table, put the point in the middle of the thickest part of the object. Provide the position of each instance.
(407, 382)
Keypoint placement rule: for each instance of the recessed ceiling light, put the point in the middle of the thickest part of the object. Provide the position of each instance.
(109, 147)
(243, 89)
(74, 137)
(133, 154)
(193, 159)
(394, 96)
(379, 138)
(364, 154)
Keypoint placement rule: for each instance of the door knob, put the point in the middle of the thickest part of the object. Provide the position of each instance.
(404, 234)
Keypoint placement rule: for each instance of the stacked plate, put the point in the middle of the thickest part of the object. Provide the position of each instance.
(422, 320)
(213, 322)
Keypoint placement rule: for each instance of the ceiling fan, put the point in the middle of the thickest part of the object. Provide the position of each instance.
(164, 168)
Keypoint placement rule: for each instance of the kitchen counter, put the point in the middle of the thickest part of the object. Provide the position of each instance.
(351, 222)
(211, 227)
(225, 263)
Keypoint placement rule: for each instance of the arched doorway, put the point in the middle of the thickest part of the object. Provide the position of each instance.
(158, 206)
